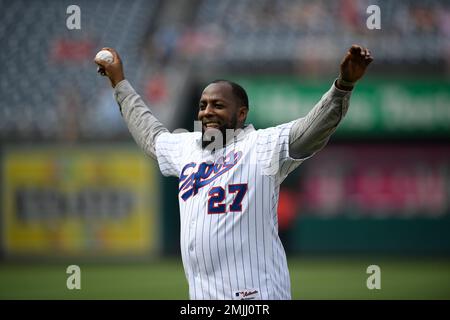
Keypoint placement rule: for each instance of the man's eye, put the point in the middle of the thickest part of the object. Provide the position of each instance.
(202, 107)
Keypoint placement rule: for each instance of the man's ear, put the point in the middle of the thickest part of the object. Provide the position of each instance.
(242, 115)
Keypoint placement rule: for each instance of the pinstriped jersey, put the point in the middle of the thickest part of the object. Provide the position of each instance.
(228, 209)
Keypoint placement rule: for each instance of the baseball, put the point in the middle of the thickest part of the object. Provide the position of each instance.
(105, 55)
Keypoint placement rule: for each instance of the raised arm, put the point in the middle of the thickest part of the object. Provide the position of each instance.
(311, 133)
(144, 127)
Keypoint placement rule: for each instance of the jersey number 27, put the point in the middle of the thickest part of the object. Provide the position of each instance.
(217, 195)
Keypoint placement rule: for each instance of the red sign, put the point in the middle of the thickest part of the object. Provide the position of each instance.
(376, 180)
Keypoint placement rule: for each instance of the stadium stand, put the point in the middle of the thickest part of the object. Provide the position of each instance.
(49, 90)
(48, 82)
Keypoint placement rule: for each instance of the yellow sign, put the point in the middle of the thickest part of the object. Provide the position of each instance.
(79, 201)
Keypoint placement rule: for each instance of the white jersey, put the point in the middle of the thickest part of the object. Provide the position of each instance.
(228, 208)
(228, 199)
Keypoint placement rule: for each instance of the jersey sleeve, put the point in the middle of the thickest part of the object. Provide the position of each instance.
(169, 152)
(141, 122)
(283, 148)
(272, 151)
(311, 133)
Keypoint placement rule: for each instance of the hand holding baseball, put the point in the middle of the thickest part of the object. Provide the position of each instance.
(112, 68)
(354, 64)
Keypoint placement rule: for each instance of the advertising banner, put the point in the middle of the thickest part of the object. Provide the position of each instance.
(366, 198)
(380, 181)
(379, 108)
(97, 201)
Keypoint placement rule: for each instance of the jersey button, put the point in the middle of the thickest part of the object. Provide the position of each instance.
(191, 247)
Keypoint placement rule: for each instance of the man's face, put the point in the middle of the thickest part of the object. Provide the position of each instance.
(219, 109)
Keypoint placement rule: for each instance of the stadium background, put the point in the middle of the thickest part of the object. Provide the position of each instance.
(75, 189)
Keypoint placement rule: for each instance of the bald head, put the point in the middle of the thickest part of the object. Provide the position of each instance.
(239, 93)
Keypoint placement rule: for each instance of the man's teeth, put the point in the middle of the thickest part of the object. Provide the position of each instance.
(212, 125)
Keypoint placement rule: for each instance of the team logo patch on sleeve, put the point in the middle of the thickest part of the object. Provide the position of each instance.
(246, 294)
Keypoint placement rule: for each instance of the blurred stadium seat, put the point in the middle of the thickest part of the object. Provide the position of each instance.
(45, 65)
(292, 30)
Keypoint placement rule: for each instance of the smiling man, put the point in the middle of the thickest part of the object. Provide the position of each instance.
(228, 194)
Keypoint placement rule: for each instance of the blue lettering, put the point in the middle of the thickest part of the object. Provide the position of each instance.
(201, 177)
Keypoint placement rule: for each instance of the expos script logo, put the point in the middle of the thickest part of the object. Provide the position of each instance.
(192, 178)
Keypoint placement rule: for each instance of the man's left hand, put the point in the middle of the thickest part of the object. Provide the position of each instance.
(354, 65)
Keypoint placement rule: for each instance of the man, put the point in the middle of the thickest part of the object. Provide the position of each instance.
(228, 194)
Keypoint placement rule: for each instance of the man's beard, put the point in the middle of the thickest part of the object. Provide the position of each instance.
(216, 138)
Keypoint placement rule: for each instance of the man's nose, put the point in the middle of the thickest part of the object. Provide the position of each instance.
(209, 110)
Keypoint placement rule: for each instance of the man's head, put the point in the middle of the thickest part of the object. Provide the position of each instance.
(223, 105)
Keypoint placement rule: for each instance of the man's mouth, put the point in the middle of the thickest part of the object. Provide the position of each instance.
(211, 124)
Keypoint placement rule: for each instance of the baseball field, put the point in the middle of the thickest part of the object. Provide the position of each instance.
(312, 278)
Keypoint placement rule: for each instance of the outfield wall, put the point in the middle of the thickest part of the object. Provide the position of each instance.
(111, 201)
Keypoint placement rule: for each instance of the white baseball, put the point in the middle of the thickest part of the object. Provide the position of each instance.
(105, 55)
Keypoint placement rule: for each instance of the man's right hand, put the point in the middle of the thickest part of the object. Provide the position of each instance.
(113, 70)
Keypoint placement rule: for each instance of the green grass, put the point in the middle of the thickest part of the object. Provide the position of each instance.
(312, 278)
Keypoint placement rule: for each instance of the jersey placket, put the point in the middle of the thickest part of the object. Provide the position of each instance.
(192, 236)
(191, 247)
